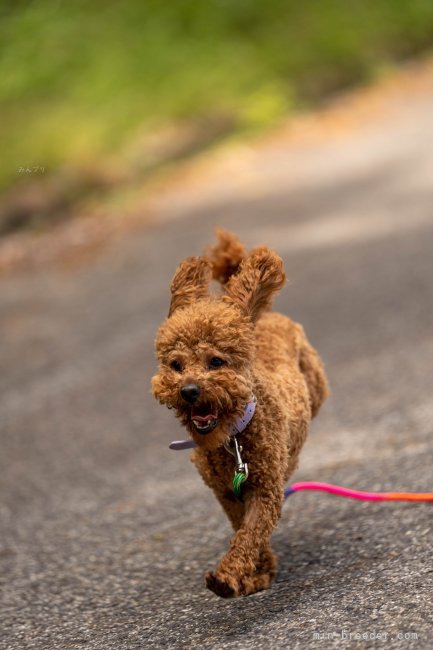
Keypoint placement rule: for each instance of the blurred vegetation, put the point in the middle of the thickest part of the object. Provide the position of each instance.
(79, 80)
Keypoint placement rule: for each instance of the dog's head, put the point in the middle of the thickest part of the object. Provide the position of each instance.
(206, 346)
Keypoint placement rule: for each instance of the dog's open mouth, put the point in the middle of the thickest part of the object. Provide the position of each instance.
(204, 418)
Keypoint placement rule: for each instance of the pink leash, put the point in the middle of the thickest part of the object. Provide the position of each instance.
(357, 494)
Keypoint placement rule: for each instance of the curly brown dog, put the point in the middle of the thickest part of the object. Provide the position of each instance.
(218, 354)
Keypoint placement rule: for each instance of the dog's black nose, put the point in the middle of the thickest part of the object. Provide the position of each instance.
(190, 393)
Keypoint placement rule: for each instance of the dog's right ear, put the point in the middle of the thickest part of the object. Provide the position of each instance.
(190, 282)
(260, 277)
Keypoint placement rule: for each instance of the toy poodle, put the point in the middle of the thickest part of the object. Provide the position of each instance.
(245, 383)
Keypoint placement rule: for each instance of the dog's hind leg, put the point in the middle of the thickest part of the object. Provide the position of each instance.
(314, 373)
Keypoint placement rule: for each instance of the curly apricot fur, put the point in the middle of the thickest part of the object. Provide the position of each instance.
(264, 353)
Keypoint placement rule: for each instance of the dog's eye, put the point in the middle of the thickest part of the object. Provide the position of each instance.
(216, 362)
(176, 365)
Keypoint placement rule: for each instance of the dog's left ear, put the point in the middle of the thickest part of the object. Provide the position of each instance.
(259, 278)
(190, 282)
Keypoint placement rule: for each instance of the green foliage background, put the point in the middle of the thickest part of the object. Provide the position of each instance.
(79, 79)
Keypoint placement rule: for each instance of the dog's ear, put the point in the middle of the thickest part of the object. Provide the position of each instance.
(190, 282)
(260, 276)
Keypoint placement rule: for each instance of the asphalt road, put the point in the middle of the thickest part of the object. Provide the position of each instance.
(106, 534)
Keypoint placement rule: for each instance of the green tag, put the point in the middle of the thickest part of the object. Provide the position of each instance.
(238, 480)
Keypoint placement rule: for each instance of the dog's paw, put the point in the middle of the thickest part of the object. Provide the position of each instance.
(227, 586)
(222, 584)
(257, 582)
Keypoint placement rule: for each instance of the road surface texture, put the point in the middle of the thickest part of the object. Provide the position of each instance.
(106, 534)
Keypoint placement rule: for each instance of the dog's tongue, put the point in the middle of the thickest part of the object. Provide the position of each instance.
(204, 418)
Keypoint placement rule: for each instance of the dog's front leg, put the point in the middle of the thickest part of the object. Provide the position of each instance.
(250, 564)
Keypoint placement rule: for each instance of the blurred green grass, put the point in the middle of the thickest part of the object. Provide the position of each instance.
(80, 79)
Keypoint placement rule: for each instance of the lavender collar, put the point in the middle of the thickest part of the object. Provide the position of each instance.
(240, 424)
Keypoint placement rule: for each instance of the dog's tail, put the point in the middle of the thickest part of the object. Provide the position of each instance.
(225, 256)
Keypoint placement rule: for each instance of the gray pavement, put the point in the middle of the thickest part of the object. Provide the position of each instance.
(105, 534)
